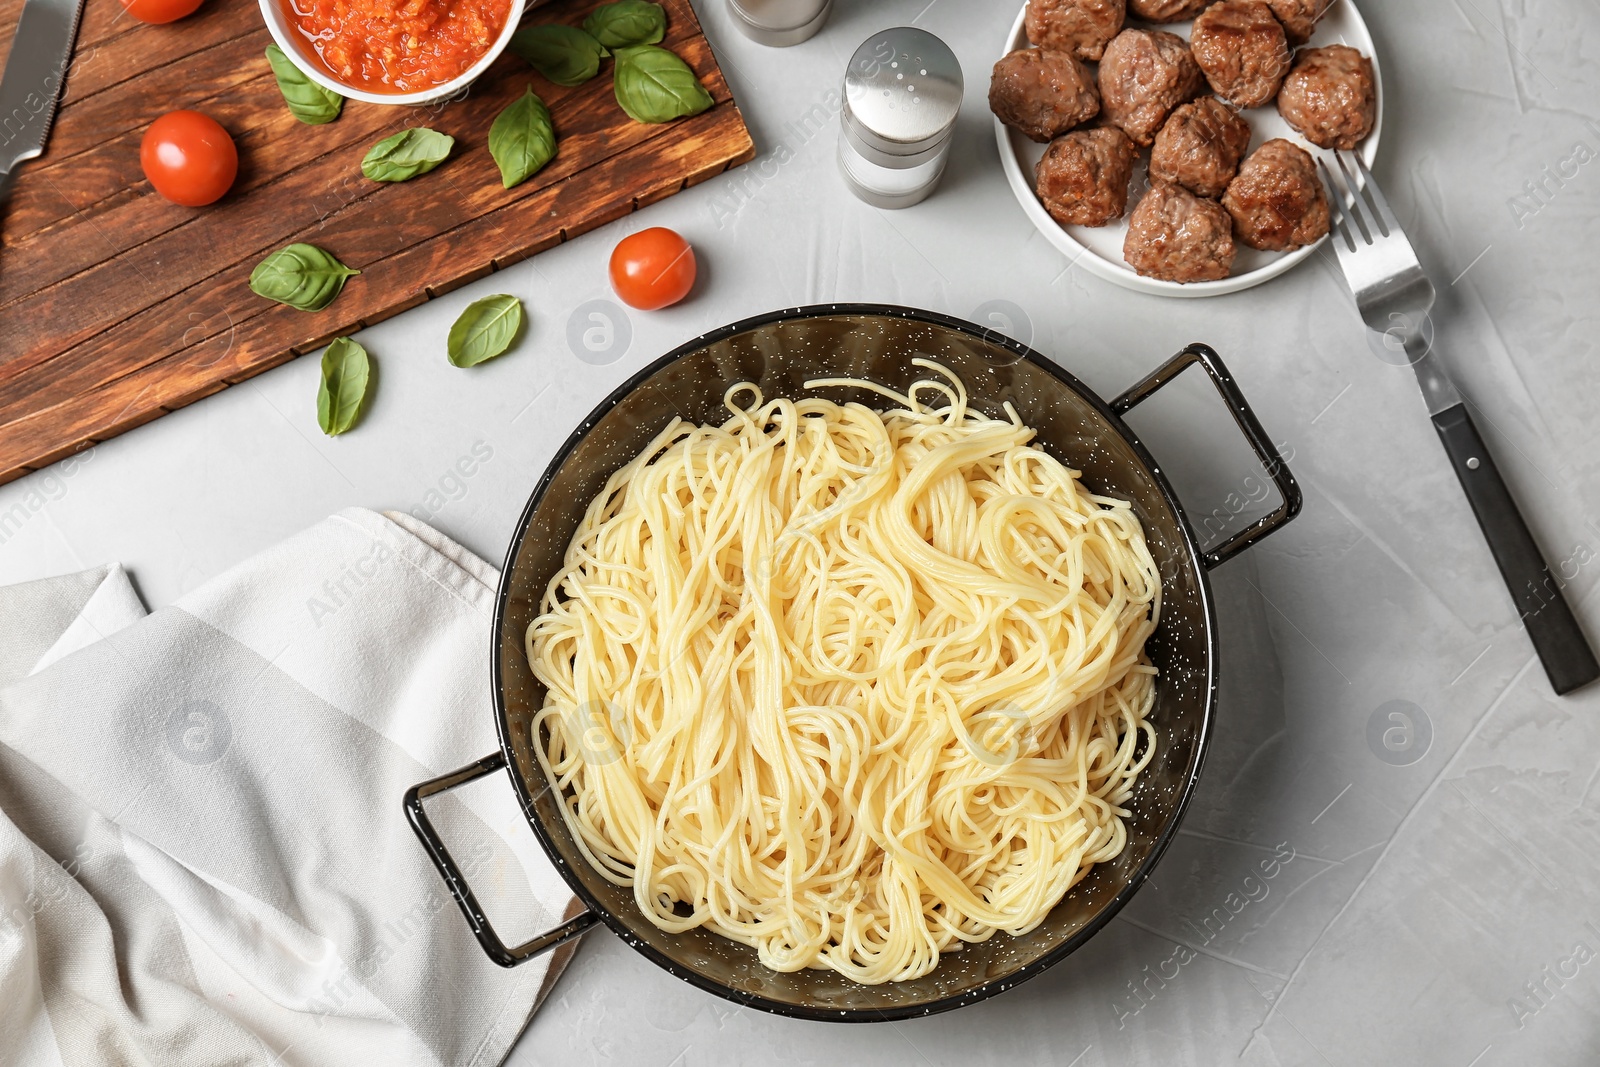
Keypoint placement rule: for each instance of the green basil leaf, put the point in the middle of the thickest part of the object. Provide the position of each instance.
(346, 371)
(654, 85)
(522, 139)
(406, 154)
(564, 54)
(628, 22)
(485, 330)
(302, 276)
(308, 101)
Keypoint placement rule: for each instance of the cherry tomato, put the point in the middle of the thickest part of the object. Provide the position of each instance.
(189, 158)
(652, 268)
(160, 10)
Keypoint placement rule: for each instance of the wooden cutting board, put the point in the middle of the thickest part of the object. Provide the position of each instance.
(117, 306)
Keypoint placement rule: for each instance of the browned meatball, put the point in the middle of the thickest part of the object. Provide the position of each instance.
(1143, 76)
(1299, 17)
(1166, 10)
(1042, 93)
(1242, 49)
(1178, 236)
(1081, 27)
(1200, 147)
(1083, 177)
(1277, 201)
(1330, 96)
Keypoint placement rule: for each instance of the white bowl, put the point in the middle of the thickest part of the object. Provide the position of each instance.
(293, 44)
(1099, 248)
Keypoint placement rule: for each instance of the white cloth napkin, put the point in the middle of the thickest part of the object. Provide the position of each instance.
(203, 855)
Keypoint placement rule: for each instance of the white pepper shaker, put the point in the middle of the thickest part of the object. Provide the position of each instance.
(779, 22)
(902, 93)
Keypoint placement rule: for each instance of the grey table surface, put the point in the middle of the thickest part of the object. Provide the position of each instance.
(1434, 894)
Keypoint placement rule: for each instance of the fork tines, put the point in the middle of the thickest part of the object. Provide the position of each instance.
(1358, 220)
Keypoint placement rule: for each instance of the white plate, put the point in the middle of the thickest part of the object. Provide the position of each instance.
(1099, 248)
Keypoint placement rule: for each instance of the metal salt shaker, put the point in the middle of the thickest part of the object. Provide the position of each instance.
(779, 22)
(902, 93)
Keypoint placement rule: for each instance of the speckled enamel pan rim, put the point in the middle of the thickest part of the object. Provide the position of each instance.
(982, 991)
(1354, 33)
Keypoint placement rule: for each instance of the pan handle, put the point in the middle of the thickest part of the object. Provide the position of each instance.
(1271, 460)
(457, 884)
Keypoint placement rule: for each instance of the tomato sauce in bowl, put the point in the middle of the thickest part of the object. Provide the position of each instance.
(398, 46)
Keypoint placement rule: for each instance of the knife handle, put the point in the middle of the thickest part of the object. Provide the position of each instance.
(1536, 592)
(6, 178)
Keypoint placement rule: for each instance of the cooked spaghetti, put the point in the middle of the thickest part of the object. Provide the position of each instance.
(850, 687)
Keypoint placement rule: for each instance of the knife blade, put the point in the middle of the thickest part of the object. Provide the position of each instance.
(30, 89)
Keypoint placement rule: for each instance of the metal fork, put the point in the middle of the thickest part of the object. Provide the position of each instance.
(1394, 296)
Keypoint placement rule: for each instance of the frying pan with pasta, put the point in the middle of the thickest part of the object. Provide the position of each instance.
(780, 352)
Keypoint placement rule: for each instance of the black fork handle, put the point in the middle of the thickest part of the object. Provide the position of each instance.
(1536, 591)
